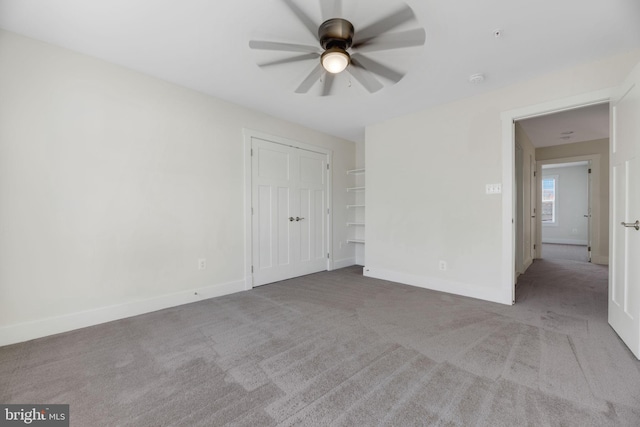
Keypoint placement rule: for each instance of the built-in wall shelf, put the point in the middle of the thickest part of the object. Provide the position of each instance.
(355, 171)
(356, 216)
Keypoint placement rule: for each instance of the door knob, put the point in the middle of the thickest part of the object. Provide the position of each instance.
(299, 219)
(635, 225)
(586, 216)
(291, 219)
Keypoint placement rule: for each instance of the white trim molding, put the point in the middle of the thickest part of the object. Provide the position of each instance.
(600, 260)
(21, 332)
(564, 241)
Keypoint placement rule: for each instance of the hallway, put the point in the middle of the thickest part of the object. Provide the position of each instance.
(568, 301)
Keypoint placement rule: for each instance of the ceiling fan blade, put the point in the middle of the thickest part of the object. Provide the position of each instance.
(397, 40)
(328, 83)
(285, 47)
(365, 78)
(377, 68)
(385, 24)
(331, 9)
(290, 60)
(311, 79)
(304, 18)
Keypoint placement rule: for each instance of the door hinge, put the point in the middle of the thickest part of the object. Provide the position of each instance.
(252, 268)
(327, 255)
(252, 151)
(589, 249)
(589, 170)
(534, 173)
(327, 166)
(534, 247)
(328, 211)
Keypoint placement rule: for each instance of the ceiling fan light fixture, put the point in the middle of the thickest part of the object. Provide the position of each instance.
(335, 60)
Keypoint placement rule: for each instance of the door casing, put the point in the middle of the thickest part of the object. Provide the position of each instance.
(508, 118)
(249, 135)
(595, 210)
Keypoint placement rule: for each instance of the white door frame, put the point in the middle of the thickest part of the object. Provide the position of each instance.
(593, 202)
(248, 135)
(508, 118)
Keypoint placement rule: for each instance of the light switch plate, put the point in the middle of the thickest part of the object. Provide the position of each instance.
(494, 188)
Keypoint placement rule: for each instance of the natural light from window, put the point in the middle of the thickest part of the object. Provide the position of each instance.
(549, 187)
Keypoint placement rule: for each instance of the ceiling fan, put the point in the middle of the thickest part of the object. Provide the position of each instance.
(342, 47)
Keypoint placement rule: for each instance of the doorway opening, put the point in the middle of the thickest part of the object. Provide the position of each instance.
(513, 224)
(565, 213)
(562, 211)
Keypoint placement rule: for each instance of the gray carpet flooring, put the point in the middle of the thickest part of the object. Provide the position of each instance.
(556, 251)
(336, 348)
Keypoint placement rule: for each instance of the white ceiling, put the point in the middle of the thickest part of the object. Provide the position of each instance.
(578, 125)
(203, 44)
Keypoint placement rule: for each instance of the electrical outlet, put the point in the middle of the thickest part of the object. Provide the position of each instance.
(202, 263)
(443, 265)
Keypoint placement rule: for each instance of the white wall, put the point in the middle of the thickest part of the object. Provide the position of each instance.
(571, 205)
(426, 178)
(113, 184)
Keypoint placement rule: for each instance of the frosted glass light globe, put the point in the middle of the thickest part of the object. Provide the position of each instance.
(335, 60)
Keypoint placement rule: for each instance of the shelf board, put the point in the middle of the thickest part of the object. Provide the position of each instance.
(349, 224)
(355, 241)
(355, 206)
(355, 171)
(355, 189)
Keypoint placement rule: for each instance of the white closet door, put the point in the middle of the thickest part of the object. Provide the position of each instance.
(311, 203)
(289, 193)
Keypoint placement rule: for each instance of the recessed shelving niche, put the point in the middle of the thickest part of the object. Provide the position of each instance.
(356, 223)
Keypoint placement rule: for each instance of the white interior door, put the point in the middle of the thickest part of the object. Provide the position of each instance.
(624, 280)
(311, 206)
(289, 220)
(519, 196)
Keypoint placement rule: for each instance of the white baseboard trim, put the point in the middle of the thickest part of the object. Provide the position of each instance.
(437, 284)
(21, 332)
(527, 264)
(342, 263)
(599, 259)
(565, 241)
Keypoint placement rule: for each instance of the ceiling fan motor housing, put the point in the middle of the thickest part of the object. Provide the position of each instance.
(336, 32)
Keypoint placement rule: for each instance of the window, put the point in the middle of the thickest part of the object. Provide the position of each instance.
(549, 190)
